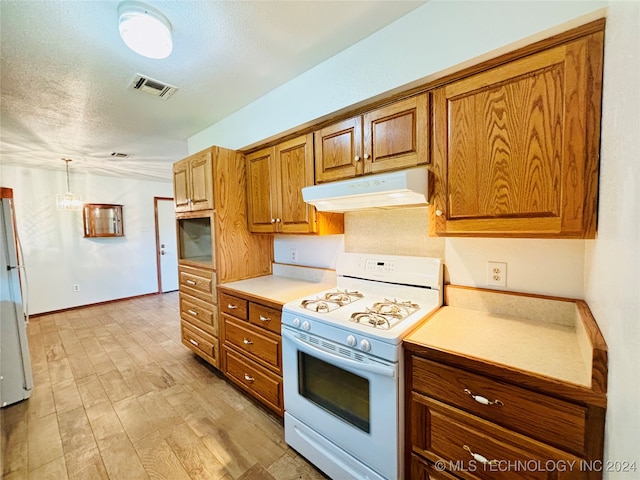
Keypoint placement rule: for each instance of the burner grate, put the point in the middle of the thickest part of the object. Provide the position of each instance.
(385, 314)
(331, 301)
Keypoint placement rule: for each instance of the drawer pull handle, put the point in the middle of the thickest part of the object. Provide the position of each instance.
(191, 282)
(264, 319)
(193, 312)
(480, 458)
(231, 307)
(247, 342)
(249, 378)
(194, 342)
(483, 400)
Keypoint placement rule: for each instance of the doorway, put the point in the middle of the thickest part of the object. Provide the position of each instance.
(166, 245)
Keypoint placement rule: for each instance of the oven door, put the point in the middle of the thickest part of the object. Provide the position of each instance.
(345, 396)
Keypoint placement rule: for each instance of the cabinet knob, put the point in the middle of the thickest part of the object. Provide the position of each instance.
(188, 200)
(439, 213)
(357, 158)
(278, 220)
(273, 220)
(231, 306)
(249, 378)
(193, 312)
(246, 341)
(367, 156)
(264, 319)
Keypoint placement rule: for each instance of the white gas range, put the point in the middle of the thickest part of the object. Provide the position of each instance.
(342, 358)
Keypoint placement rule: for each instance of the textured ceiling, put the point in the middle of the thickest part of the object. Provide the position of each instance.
(65, 73)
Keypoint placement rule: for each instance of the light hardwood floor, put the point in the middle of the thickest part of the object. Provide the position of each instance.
(117, 396)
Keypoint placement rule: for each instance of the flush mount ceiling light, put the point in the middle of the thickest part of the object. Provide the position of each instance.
(68, 200)
(145, 30)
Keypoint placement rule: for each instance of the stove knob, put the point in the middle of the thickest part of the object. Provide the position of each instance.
(306, 326)
(296, 322)
(365, 346)
(351, 341)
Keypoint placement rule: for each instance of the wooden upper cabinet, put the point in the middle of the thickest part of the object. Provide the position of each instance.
(396, 136)
(294, 170)
(339, 151)
(276, 176)
(389, 138)
(515, 147)
(260, 206)
(181, 185)
(193, 183)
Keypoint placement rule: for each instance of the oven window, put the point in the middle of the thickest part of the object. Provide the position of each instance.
(339, 392)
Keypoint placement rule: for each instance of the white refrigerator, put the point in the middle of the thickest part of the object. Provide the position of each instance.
(16, 381)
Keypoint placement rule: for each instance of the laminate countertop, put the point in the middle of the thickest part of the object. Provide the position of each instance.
(542, 335)
(284, 285)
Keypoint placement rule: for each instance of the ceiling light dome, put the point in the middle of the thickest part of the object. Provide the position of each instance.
(145, 30)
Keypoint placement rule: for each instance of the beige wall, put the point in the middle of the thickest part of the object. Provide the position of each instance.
(612, 261)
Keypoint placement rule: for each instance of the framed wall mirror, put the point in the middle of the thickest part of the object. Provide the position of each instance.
(102, 220)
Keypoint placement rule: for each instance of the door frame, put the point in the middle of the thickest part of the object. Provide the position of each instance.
(155, 217)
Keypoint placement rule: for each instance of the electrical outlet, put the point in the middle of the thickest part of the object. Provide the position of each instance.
(497, 274)
(76, 287)
(293, 255)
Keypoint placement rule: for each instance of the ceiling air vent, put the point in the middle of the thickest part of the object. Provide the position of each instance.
(152, 87)
(119, 155)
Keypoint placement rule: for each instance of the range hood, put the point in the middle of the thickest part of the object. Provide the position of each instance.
(394, 189)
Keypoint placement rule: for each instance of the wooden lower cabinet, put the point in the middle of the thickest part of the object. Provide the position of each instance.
(202, 343)
(199, 313)
(252, 348)
(198, 282)
(261, 383)
(423, 470)
(466, 425)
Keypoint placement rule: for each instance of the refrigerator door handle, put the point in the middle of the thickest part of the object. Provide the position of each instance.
(24, 284)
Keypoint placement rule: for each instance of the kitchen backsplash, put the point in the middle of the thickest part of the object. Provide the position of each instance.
(397, 231)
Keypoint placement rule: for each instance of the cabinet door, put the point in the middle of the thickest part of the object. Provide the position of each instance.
(260, 191)
(515, 147)
(338, 150)
(396, 136)
(482, 450)
(294, 169)
(181, 185)
(201, 181)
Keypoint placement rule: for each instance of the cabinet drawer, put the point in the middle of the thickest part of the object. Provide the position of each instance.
(233, 305)
(423, 470)
(201, 343)
(545, 418)
(263, 347)
(199, 312)
(265, 317)
(467, 443)
(198, 283)
(262, 384)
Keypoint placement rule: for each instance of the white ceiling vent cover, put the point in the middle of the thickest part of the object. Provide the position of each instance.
(152, 87)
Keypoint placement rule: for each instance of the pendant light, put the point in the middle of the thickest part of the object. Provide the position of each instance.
(68, 201)
(145, 30)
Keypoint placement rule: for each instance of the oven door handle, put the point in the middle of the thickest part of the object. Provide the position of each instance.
(387, 371)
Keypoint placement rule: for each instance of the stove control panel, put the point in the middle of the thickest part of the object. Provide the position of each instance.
(372, 265)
